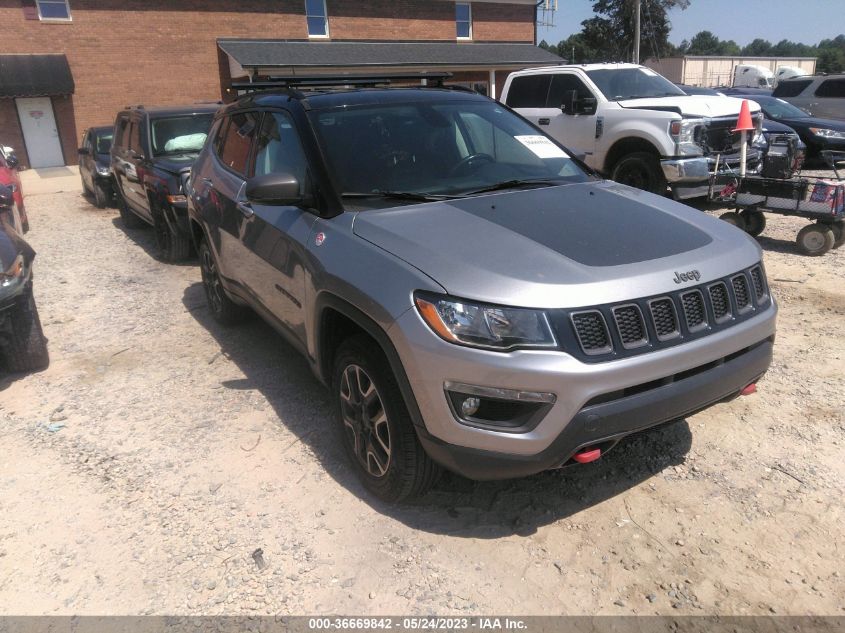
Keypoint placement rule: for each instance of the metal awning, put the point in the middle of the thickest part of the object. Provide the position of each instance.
(273, 54)
(35, 76)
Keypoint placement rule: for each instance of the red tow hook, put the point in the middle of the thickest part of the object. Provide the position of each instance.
(748, 389)
(587, 455)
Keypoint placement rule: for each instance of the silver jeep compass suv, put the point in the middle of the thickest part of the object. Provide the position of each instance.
(474, 298)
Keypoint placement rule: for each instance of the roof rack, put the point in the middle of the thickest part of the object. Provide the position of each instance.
(330, 81)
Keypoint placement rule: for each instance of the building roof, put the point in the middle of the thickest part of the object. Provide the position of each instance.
(35, 76)
(283, 54)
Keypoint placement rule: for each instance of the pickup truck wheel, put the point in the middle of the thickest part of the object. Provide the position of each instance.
(102, 196)
(732, 217)
(172, 247)
(222, 308)
(755, 222)
(640, 170)
(130, 220)
(26, 349)
(815, 239)
(838, 229)
(376, 429)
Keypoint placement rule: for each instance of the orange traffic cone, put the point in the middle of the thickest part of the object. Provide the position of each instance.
(744, 123)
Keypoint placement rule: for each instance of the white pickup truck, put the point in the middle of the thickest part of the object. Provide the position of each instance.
(634, 125)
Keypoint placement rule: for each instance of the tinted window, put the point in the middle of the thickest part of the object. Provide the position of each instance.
(632, 83)
(791, 88)
(831, 88)
(279, 150)
(529, 91)
(561, 84)
(104, 142)
(237, 142)
(135, 137)
(121, 127)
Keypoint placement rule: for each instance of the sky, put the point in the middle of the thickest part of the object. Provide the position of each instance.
(738, 20)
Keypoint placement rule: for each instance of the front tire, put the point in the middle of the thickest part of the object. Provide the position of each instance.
(102, 196)
(376, 428)
(223, 309)
(26, 349)
(640, 170)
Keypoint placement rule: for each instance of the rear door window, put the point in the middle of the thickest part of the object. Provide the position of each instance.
(279, 149)
(831, 88)
(529, 91)
(121, 129)
(791, 88)
(236, 143)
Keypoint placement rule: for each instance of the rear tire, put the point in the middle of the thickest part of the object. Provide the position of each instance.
(755, 222)
(223, 309)
(375, 426)
(640, 170)
(815, 239)
(26, 349)
(838, 229)
(130, 220)
(732, 217)
(172, 247)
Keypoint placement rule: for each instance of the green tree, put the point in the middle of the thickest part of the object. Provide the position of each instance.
(704, 43)
(758, 48)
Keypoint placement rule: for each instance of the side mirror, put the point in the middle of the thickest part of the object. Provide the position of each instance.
(570, 98)
(280, 189)
(84, 151)
(587, 105)
(7, 199)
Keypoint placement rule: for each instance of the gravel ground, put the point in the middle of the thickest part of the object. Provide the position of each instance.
(165, 465)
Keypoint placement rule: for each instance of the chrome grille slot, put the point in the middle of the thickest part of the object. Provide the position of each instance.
(694, 311)
(631, 327)
(591, 330)
(720, 301)
(664, 318)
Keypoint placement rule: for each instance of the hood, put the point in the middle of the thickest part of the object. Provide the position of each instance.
(177, 162)
(771, 126)
(555, 247)
(692, 105)
(812, 121)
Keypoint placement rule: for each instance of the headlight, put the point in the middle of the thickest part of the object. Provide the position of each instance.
(827, 132)
(486, 326)
(13, 272)
(683, 132)
(103, 171)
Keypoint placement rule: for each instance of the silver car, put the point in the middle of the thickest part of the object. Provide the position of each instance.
(823, 96)
(474, 298)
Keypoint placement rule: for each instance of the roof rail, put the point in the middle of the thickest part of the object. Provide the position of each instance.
(329, 81)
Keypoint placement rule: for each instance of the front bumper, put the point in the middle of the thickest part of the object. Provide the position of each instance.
(680, 170)
(726, 362)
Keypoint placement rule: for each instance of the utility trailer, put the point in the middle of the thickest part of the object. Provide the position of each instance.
(818, 199)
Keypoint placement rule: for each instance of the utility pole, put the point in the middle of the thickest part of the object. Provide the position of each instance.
(637, 31)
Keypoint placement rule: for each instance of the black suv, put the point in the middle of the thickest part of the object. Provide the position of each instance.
(151, 158)
(95, 164)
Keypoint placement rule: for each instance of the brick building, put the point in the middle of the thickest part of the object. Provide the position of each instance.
(70, 64)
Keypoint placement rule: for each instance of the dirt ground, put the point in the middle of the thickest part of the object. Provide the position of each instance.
(165, 465)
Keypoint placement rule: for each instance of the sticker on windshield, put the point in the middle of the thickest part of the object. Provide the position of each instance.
(541, 146)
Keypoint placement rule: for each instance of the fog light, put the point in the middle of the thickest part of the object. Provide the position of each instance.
(470, 406)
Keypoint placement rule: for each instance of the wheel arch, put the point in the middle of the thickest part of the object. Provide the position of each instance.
(336, 320)
(625, 146)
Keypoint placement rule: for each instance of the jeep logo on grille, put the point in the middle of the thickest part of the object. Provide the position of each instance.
(687, 276)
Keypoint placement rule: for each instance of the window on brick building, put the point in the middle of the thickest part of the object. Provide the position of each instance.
(317, 17)
(53, 10)
(463, 20)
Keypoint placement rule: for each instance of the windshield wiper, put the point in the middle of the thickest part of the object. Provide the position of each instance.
(513, 184)
(397, 195)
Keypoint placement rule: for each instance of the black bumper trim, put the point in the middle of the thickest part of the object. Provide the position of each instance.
(610, 421)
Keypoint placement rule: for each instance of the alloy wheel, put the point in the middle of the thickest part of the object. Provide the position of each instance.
(365, 420)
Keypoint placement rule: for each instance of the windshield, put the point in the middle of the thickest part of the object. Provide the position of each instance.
(103, 142)
(617, 84)
(180, 135)
(437, 149)
(780, 109)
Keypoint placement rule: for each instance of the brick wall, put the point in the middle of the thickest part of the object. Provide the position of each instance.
(163, 52)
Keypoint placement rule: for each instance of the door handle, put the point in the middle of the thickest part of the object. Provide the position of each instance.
(246, 209)
(544, 121)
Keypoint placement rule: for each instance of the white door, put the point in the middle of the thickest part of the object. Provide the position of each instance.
(40, 132)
